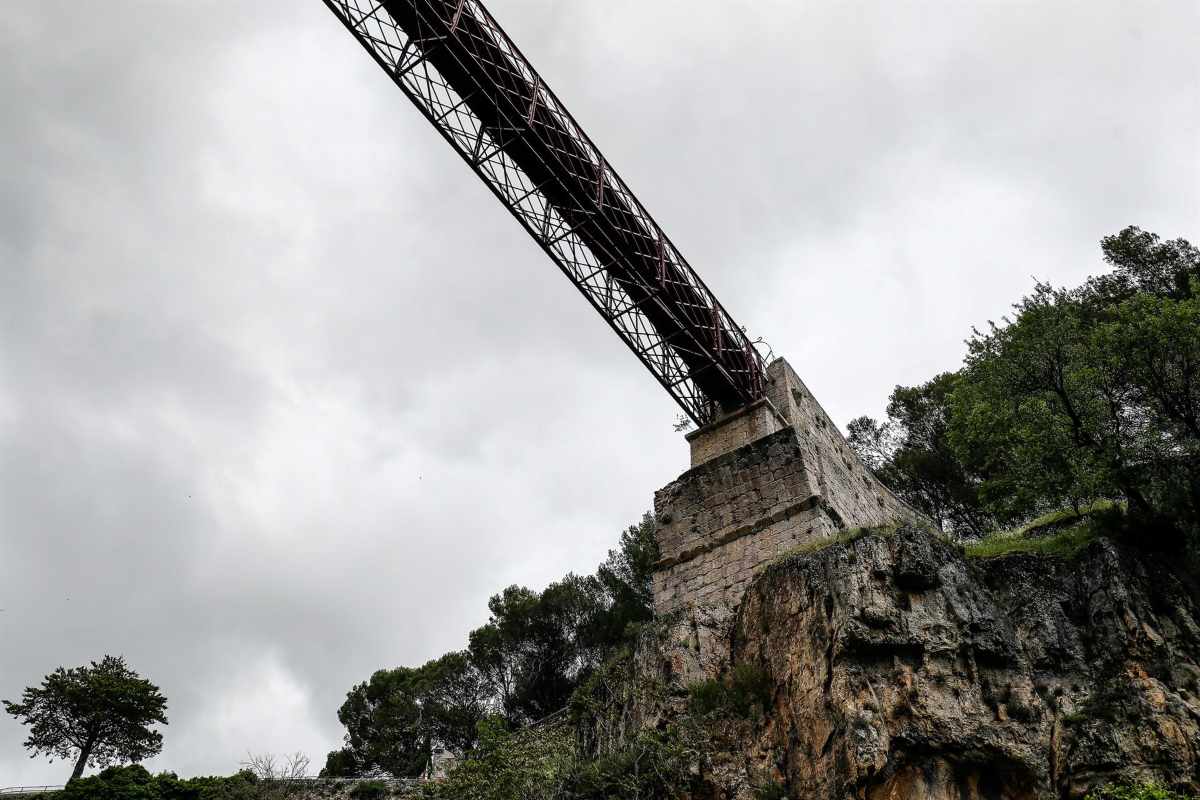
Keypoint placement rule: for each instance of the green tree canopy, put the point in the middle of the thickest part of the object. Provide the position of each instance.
(911, 453)
(534, 647)
(1093, 392)
(395, 720)
(99, 714)
(537, 647)
(523, 664)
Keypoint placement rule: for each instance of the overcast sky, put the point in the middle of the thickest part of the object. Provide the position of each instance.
(285, 394)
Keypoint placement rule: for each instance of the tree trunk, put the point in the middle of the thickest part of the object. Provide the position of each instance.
(85, 752)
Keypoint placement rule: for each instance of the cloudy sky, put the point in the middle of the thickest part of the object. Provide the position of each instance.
(285, 394)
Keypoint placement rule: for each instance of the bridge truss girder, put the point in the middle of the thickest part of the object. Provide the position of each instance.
(467, 78)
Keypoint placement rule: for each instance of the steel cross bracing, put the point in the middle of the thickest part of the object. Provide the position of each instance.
(468, 78)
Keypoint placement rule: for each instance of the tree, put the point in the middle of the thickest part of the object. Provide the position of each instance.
(626, 579)
(525, 662)
(395, 720)
(98, 714)
(911, 453)
(1093, 392)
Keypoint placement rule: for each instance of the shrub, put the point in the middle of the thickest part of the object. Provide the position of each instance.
(1142, 791)
(771, 790)
(654, 765)
(743, 693)
(136, 783)
(369, 790)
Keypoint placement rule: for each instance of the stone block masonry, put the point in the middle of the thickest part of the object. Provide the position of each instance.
(764, 480)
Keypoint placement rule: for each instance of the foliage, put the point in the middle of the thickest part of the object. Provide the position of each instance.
(534, 648)
(526, 661)
(396, 719)
(912, 454)
(537, 647)
(1062, 534)
(369, 790)
(1092, 392)
(529, 764)
(822, 542)
(655, 764)
(744, 692)
(135, 783)
(1143, 791)
(772, 790)
(98, 714)
(626, 577)
(1065, 544)
(342, 763)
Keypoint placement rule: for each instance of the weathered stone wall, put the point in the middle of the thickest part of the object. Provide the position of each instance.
(736, 430)
(767, 479)
(848, 488)
(720, 522)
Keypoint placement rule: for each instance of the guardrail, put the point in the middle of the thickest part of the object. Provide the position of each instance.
(14, 791)
(395, 783)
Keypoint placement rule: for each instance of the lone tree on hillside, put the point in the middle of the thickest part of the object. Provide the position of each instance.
(98, 714)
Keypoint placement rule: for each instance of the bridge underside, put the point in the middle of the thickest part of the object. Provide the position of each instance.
(468, 78)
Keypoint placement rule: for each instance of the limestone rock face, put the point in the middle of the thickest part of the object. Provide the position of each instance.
(903, 670)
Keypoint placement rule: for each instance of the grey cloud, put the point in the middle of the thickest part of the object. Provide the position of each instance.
(284, 395)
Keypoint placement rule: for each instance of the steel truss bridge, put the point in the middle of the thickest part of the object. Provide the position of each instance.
(452, 59)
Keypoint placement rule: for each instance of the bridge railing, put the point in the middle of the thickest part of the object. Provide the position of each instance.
(17, 791)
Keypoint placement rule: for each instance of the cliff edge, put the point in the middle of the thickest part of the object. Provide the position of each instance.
(902, 669)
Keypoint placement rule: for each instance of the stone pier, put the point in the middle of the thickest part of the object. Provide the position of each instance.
(764, 480)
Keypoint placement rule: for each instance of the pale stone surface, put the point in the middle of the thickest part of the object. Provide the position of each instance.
(733, 431)
(789, 478)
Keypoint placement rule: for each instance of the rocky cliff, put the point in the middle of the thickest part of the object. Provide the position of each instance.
(902, 669)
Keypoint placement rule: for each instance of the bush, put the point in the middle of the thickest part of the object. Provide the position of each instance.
(136, 783)
(654, 765)
(369, 790)
(1143, 791)
(744, 692)
(772, 790)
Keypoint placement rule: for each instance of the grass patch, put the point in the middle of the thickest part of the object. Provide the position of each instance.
(1062, 533)
(1064, 517)
(1067, 543)
(842, 537)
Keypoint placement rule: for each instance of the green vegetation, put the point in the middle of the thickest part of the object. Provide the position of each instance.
(744, 693)
(1067, 517)
(1062, 534)
(98, 714)
(524, 664)
(1142, 791)
(841, 537)
(655, 764)
(1065, 544)
(911, 452)
(394, 720)
(369, 790)
(507, 764)
(1081, 394)
(135, 783)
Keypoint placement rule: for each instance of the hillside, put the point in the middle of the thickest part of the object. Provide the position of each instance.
(895, 666)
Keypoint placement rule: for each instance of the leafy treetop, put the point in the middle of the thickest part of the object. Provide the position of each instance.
(97, 714)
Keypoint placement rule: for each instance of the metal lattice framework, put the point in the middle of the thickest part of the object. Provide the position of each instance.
(454, 62)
